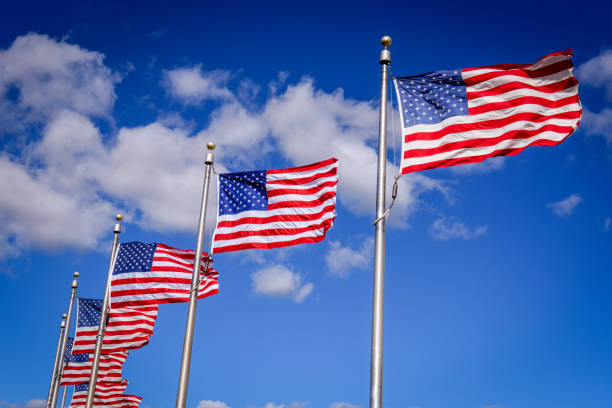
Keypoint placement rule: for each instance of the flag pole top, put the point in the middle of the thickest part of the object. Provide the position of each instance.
(385, 55)
(76, 274)
(119, 217)
(117, 228)
(64, 315)
(211, 145)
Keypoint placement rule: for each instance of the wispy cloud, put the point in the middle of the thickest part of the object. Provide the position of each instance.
(565, 207)
(607, 224)
(343, 405)
(341, 260)
(597, 72)
(446, 228)
(280, 281)
(192, 86)
(212, 404)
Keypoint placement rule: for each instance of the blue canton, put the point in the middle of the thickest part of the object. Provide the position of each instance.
(89, 312)
(244, 191)
(79, 358)
(134, 257)
(431, 98)
(69, 343)
(81, 387)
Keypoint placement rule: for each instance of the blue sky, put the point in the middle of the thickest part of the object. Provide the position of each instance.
(497, 283)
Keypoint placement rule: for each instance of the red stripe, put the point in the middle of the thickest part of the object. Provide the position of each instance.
(489, 124)
(303, 180)
(302, 204)
(276, 218)
(278, 244)
(304, 168)
(513, 66)
(141, 302)
(536, 73)
(533, 100)
(515, 85)
(308, 191)
(476, 159)
(271, 232)
(153, 279)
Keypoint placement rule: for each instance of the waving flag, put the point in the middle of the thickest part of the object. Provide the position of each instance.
(276, 208)
(107, 395)
(128, 327)
(68, 351)
(467, 115)
(152, 274)
(78, 369)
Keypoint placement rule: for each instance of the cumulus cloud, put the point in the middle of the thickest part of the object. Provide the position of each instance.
(295, 404)
(212, 404)
(597, 71)
(40, 76)
(192, 86)
(341, 260)
(344, 405)
(446, 228)
(565, 207)
(598, 123)
(278, 280)
(487, 166)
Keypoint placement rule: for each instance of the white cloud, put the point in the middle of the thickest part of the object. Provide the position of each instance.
(607, 224)
(295, 404)
(49, 76)
(344, 405)
(598, 123)
(342, 260)
(279, 281)
(212, 404)
(597, 71)
(192, 86)
(565, 207)
(486, 166)
(34, 403)
(446, 228)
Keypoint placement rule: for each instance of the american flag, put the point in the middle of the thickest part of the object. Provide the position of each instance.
(107, 395)
(276, 208)
(68, 351)
(463, 116)
(152, 274)
(128, 327)
(78, 369)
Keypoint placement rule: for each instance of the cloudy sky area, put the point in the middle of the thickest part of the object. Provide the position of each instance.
(497, 280)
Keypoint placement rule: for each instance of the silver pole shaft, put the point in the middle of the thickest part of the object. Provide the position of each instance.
(60, 365)
(181, 394)
(57, 358)
(378, 300)
(103, 317)
(64, 397)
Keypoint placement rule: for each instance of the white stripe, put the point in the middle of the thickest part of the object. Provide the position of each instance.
(519, 93)
(492, 115)
(485, 133)
(275, 225)
(504, 79)
(304, 186)
(540, 64)
(152, 274)
(279, 211)
(483, 151)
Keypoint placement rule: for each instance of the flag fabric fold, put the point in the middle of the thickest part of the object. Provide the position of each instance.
(276, 208)
(128, 327)
(153, 274)
(452, 117)
(78, 369)
(106, 395)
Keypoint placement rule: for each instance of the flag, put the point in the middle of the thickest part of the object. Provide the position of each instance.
(68, 351)
(128, 327)
(78, 369)
(152, 274)
(106, 395)
(276, 208)
(463, 116)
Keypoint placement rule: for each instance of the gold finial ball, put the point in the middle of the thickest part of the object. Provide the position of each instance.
(64, 315)
(211, 145)
(119, 217)
(76, 274)
(386, 41)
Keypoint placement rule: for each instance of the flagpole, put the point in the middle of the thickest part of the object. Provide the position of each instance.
(57, 357)
(64, 397)
(181, 395)
(60, 365)
(378, 299)
(103, 316)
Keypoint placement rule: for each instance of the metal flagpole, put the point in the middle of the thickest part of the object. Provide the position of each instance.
(64, 397)
(60, 365)
(57, 357)
(103, 317)
(378, 300)
(181, 394)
